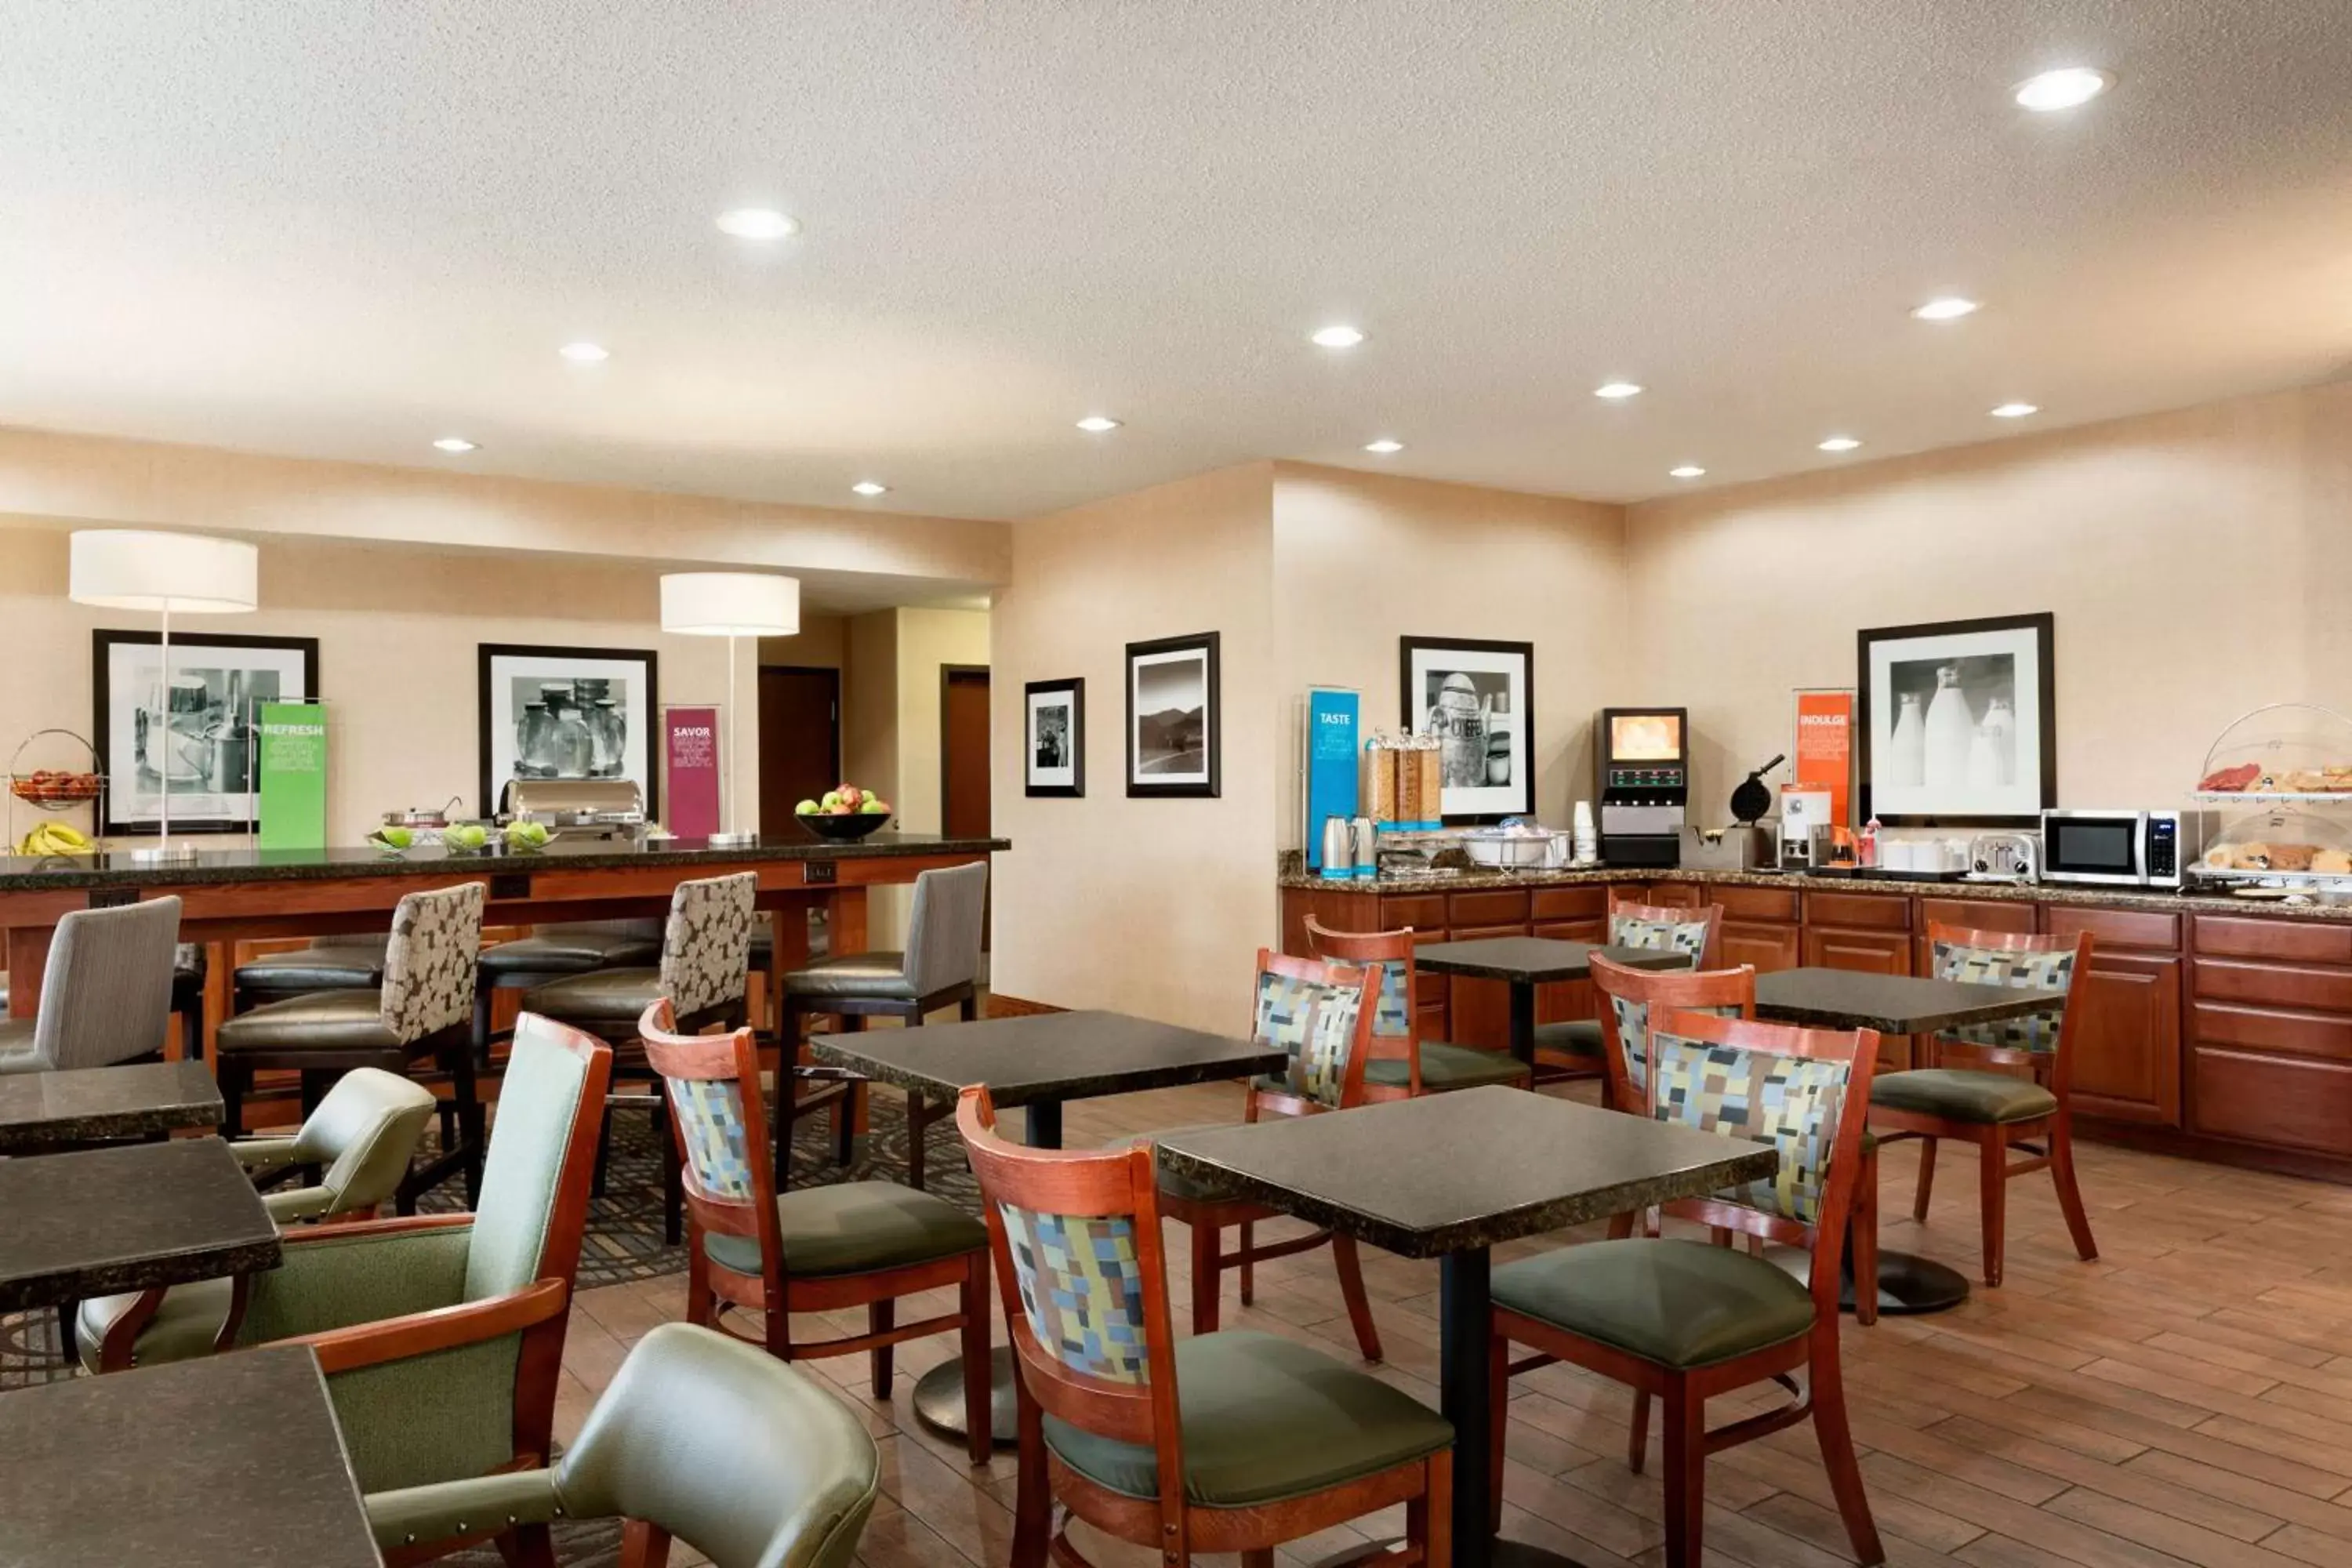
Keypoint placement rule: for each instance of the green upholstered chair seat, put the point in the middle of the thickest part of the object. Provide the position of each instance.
(601, 997)
(1671, 1303)
(344, 1020)
(1445, 1066)
(572, 952)
(876, 974)
(17, 1053)
(1964, 1095)
(339, 965)
(1186, 1187)
(1577, 1037)
(1264, 1419)
(855, 1227)
(182, 1328)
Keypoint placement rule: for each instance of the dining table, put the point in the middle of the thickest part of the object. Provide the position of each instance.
(74, 1107)
(1523, 962)
(1035, 1062)
(135, 1216)
(1892, 1004)
(1451, 1177)
(228, 1461)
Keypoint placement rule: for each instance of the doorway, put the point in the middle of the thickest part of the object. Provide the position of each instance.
(964, 808)
(800, 739)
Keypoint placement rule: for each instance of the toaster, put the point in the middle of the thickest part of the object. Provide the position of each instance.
(2004, 857)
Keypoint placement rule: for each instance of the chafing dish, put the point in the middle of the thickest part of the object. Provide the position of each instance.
(576, 808)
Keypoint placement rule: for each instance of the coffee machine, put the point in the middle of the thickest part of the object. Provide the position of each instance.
(1643, 760)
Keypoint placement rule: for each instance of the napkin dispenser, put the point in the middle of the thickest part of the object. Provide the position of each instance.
(1736, 848)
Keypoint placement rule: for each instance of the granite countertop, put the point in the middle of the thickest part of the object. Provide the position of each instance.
(1923, 887)
(20, 874)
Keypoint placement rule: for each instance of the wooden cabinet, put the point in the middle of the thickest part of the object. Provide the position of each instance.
(1573, 998)
(1873, 952)
(1766, 945)
(2270, 1017)
(2127, 1041)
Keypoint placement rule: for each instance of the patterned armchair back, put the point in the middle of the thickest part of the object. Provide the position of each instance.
(1758, 1096)
(2051, 969)
(1314, 1021)
(707, 946)
(428, 968)
(1644, 928)
(1081, 1289)
(1633, 1032)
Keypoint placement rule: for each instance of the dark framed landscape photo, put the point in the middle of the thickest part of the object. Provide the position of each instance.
(1959, 724)
(1173, 729)
(1478, 699)
(198, 731)
(1054, 737)
(584, 713)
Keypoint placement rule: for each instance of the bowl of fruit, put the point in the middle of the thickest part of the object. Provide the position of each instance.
(844, 815)
(54, 786)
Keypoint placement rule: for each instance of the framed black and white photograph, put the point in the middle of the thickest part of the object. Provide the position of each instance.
(1054, 740)
(1959, 722)
(1478, 699)
(567, 713)
(1173, 731)
(197, 730)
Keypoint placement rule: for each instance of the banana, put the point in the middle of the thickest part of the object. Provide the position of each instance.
(49, 838)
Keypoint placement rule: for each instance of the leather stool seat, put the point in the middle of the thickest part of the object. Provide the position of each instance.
(323, 966)
(349, 1019)
(876, 974)
(571, 952)
(600, 997)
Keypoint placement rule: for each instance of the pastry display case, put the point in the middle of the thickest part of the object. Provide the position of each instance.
(2279, 783)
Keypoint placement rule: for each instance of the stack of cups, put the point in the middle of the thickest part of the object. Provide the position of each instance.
(1587, 840)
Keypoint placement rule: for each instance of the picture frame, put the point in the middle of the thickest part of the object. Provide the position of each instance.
(217, 680)
(1478, 696)
(1053, 738)
(1957, 723)
(549, 713)
(1175, 729)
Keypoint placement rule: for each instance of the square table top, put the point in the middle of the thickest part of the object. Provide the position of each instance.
(1046, 1057)
(128, 1219)
(231, 1459)
(85, 1105)
(1535, 960)
(1450, 1173)
(1891, 1004)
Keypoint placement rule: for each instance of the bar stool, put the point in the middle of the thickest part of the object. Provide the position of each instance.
(423, 1008)
(939, 967)
(557, 952)
(189, 971)
(705, 962)
(106, 992)
(348, 961)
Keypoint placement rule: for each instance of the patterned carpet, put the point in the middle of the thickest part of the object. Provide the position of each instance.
(623, 1242)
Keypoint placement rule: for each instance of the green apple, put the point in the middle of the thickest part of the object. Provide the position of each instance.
(393, 839)
(805, 808)
(873, 806)
(465, 836)
(832, 798)
(526, 835)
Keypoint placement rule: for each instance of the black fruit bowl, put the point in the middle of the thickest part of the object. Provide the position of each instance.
(846, 830)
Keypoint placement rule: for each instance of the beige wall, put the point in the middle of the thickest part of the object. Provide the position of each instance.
(905, 734)
(869, 698)
(2199, 563)
(1153, 906)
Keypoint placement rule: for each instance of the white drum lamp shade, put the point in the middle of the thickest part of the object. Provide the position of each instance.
(730, 604)
(171, 574)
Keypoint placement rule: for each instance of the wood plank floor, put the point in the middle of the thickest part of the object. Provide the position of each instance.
(2187, 1399)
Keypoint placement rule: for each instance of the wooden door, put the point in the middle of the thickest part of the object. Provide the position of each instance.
(800, 739)
(1768, 945)
(964, 808)
(2127, 1041)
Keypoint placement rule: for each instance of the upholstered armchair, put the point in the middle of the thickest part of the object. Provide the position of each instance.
(699, 1439)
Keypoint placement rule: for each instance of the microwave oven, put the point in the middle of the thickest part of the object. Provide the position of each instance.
(2122, 848)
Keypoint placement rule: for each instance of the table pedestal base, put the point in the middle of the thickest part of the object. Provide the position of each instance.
(939, 1399)
(1909, 1285)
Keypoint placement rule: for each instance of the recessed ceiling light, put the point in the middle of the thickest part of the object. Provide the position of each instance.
(1096, 423)
(1840, 444)
(1338, 337)
(1687, 472)
(757, 223)
(2016, 410)
(2067, 88)
(585, 353)
(455, 444)
(1615, 389)
(1947, 308)
(869, 487)
(1384, 447)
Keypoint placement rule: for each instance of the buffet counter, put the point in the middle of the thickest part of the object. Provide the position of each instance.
(2215, 1027)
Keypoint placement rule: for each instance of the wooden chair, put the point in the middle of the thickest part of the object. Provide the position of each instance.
(1685, 1321)
(2019, 1097)
(1572, 1049)
(1400, 1063)
(1322, 1015)
(1237, 1441)
(820, 1249)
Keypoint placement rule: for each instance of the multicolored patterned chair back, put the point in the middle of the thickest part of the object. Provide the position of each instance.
(1081, 1289)
(1957, 955)
(1317, 1013)
(706, 947)
(1630, 996)
(429, 965)
(1790, 1102)
(1390, 954)
(1659, 928)
(712, 1084)
(1633, 1034)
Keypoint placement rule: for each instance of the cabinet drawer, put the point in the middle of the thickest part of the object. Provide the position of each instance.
(1667, 895)
(2117, 927)
(2272, 1029)
(1874, 911)
(1977, 914)
(2277, 984)
(1486, 909)
(1588, 902)
(1480, 933)
(2286, 1102)
(1595, 930)
(2310, 942)
(1755, 903)
(1767, 946)
(1870, 952)
(1422, 912)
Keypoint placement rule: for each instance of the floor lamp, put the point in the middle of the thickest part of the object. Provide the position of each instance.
(166, 573)
(731, 604)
